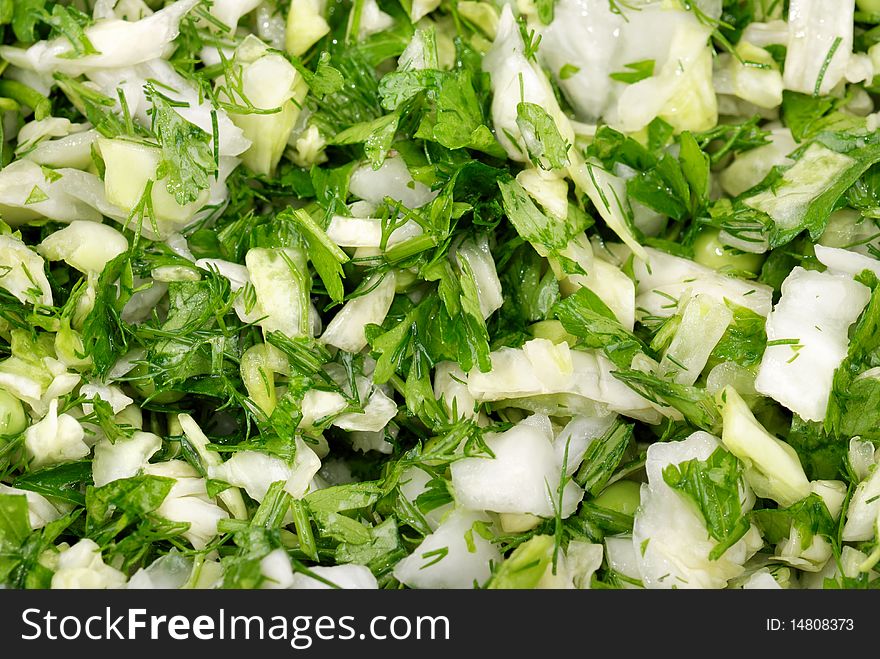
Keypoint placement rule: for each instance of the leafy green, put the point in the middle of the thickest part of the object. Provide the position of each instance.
(587, 317)
(541, 135)
(637, 71)
(854, 404)
(376, 136)
(64, 482)
(603, 457)
(533, 225)
(187, 156)
(325, 255)
(744, 340)
(810, 517)
(21, 551)
(808, 115)
(713, 485)
(525, 567)
(698, 406)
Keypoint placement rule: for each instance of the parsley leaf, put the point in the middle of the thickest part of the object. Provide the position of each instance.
(187, 156)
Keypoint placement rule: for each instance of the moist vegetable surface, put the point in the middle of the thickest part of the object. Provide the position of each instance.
(439, 294)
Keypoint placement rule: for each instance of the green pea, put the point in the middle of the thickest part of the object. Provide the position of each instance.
(711, 252)
(145, 387)
(552, 330)
(869, 6)
(13, 420)
(622, 497)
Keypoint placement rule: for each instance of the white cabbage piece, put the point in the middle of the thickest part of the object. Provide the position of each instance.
(36, 377)
(118, 44)
(353, 577)
(847, 229)
(34, 132)
(110, 394)
(482, 14)
(850, 564)
(22, 272)
(772, 467)
(269, 24)
(681, 92)
(392, 180)
(267, 81)
(786, 202)
(367, 232)
(476, 253)
(820, 42)
(86, 246)
(413, 481)
(346, 330)
(277, 570)
(365, 440)
(71, 151)
(308, 146)
(607, 191)
(730, 373)
(542, 368)
(863, 513)
(810, 322)
(607, 281)
(421, 8)
(306, 25)
(769, 33)
(81, 566)
(751, 75)
(123, 458)
(751, 167)
(589, 40)
(514, 79)
(761, 580)
(229, 12)
(278, 275)
(171, 571)
(844, 261)
(189, 102)
(130, 168)
(818, 550)
(420, 53)
(704, 320)
(255, 471)
(55, 438)
(861, 456)
(127, 9)
(188, 501)
(141, 305)
(41, 511)
(450, 387)
(231, 498)
(444, 559)
(586, 34)
(236, 273)
(372, 20)
(377, 414)
(523, 477)
(576, 437)
(547, 188)
(670, 538)
(622, 560)
(665, 280)
(28, 192)
(582, 559)
(318, 405)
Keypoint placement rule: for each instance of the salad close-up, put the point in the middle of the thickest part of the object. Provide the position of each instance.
(440, 294)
